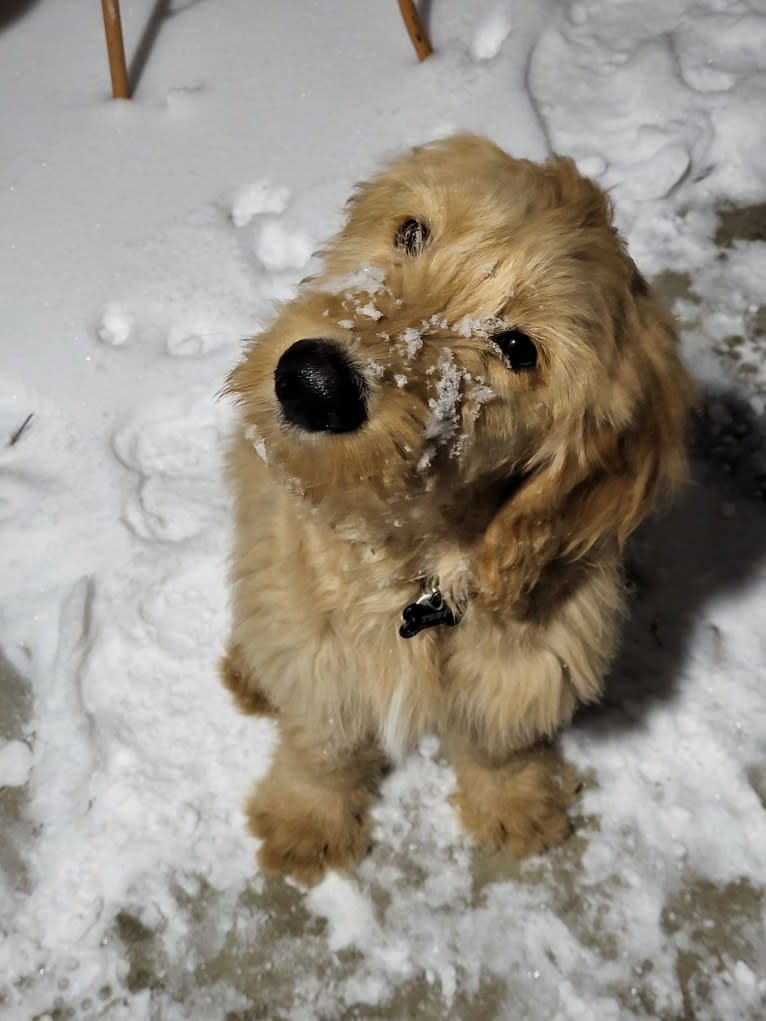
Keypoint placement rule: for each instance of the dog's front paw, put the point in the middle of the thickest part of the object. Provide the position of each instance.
(523, 808)
(304, 842)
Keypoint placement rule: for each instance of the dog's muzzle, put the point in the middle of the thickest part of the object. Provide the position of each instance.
(319, 389)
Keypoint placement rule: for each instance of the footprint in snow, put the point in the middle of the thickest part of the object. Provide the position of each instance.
(191, 340)
(740, 49)
(657, 176)
(174, 446)
(257, 198)
(280, 248)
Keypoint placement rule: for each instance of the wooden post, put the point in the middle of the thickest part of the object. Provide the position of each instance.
(116, 49)
(417, 35)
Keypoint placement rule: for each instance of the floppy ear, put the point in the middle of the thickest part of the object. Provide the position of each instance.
(616, 461)
(578, 194)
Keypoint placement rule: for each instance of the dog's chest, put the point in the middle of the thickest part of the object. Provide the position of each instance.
(411, 697)
(395, 727)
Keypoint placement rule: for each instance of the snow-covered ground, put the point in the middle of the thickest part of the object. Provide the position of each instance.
(140, 242)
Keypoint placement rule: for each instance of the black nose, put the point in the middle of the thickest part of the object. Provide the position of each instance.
(319, 389)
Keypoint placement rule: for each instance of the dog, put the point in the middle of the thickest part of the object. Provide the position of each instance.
(443, 443)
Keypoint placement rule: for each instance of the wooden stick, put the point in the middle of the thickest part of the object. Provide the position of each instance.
(116, 49)
(415, 29)
(17, 435)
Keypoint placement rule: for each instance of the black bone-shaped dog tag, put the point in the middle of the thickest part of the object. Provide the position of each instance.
(429, 611)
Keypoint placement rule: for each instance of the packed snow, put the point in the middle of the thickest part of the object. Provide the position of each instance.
(115, 325)
(491, 33)
(142, 241)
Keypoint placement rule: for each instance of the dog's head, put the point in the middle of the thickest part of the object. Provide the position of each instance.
(479, 355)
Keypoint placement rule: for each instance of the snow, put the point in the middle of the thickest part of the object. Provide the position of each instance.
(370, 311)
(15, 763)
(349, 914)
(370, 279)
(445, 405)
(490, 34)
(141, 242)
(115, 326)
(413, 341)
(280, 248)
(256, 198)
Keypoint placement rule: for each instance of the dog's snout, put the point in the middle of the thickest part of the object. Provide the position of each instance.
(319, 389)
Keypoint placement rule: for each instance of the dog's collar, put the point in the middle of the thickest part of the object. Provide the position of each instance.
(430, 610)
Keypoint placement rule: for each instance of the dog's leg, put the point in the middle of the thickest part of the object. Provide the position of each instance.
(520, 802)
(237, 677)
(310, 810)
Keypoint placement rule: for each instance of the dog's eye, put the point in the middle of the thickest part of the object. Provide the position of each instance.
(411, 236)
(518, 349)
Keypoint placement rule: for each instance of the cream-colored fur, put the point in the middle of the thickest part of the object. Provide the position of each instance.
(511, 490)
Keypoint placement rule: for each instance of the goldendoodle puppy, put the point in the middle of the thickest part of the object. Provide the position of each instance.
(445, 440)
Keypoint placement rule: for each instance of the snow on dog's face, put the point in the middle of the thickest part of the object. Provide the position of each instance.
(477, 321)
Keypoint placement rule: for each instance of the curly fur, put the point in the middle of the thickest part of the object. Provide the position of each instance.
(515, 491)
